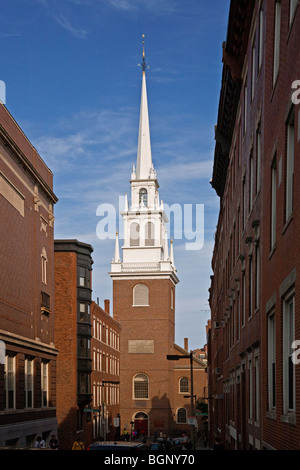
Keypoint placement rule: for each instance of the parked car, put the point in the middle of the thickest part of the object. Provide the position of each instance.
(116, 445)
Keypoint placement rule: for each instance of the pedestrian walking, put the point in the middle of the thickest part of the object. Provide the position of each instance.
(40, 443)
(53, 443)
(78, 444)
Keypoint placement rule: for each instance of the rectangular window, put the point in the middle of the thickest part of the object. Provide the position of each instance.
(251, 182)
(84, 347)
(258, 159)
(257, 277)
(250, 390)
(245, 106)
(10, 382)
(276, 40)
(253, 70)
(244, 204)
(273, 202)
(238, 317)
(243, 299)
(45, 302)
(84, 276)
(290, 166)
(257, 390)
(29, 374)
(288, 366)
(272, 361)
(84, 383)
(44, 269)
(84, 312)
(44, 384)
(250, 286)
(261, 38)
(293, 6)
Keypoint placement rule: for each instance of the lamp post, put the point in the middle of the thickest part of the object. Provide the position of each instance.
(105, 382)
(175, 357)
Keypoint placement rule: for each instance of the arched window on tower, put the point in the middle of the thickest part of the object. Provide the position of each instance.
(44, 266)
(143, 197)
(141, 295)
(134, 234)
(181, 415)
(140, 386)
(149, 234)
(184, 385)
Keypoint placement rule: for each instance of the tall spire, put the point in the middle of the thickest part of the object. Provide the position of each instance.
(144, 156)
(117, 252)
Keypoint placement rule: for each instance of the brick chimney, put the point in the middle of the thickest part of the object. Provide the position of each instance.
(186, 344)
(106, 305)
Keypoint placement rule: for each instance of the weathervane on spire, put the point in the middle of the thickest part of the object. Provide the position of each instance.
(143, 65)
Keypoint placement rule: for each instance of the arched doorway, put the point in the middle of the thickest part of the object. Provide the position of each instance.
(141, 423)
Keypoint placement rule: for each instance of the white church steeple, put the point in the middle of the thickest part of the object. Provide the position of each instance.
(145, 245)
(144, 165)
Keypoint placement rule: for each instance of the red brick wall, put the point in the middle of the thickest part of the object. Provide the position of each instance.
(155, 322)
(230, 389)
(24, 329)
(110, 349)
(65, 274)
(286, 256)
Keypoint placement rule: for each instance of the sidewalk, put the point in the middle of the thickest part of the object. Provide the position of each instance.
(200, 445)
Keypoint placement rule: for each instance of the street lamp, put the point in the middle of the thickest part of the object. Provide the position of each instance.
(103, 411)
(175, 357)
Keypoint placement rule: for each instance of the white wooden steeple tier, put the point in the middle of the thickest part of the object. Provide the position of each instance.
(145, 249)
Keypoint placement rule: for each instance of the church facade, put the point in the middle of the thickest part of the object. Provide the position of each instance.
(144, 283)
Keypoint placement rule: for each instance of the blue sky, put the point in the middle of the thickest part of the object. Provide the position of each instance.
(73, 84)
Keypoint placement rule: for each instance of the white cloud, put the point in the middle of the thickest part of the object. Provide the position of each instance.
(65, 24)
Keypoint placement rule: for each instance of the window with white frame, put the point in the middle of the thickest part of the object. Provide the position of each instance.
(273, 202)
(143, 197)
(293, 6)
(253, 69)
(10, 382)
(261, 38)
(44, 383)
(134, 234)
(243, 298)
(141, 295)
(140, 386)
(276, 40)
(257, 276)
(290, 165)
(149, 234)
(271, 360)
(245, 105)
(250, 286)
(288, 365)
(251, 182)
(250, 388)
(29, 374)
(257, 389)
(44, 266)
(258, 159)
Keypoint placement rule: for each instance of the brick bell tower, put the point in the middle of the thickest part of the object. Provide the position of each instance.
(144, 284)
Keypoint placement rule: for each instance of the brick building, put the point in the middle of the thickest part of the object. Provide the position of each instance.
(73, 333)
(253, 381)
(29, 354)
(144, 283)
(106, 373)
